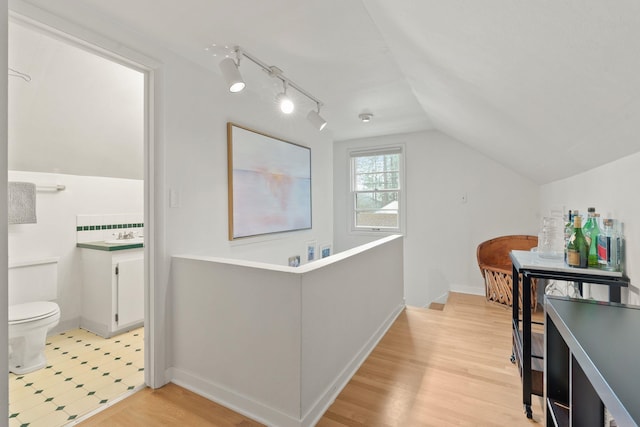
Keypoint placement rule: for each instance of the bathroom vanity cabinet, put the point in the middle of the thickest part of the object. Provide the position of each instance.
(113, 290)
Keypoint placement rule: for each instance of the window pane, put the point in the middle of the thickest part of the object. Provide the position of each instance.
(376, 172)
(377, 219)
(376, 188)
(377, 200)
(377, 181)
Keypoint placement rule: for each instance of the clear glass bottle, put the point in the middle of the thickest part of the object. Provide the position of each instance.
(578, 247)
(609, 246)
(591, 232)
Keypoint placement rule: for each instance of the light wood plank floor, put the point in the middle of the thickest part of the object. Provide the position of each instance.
(432, 368)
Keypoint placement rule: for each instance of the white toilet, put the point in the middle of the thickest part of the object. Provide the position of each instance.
(32, 284)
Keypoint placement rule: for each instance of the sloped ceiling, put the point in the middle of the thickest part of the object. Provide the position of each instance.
(549, 88)
(62, 120)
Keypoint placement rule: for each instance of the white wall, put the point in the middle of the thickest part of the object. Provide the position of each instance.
(4, 343)
(612, 189)
(279, 343)
(64, 119)
(54, 235)
(442, 233)
(198, 107)
(189, 111)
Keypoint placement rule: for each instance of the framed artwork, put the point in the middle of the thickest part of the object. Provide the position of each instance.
(294, 261)
(269, 184)
(325, 251)
(311, 250)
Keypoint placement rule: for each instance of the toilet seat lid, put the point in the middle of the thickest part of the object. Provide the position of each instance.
(32, 311)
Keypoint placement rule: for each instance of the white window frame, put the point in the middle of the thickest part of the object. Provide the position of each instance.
(373, 151)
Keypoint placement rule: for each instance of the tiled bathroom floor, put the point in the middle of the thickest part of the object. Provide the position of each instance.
(84, 371)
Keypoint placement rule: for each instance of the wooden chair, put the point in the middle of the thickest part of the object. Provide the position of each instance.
(496, 268)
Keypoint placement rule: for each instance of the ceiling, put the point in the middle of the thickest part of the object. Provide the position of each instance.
(550, 88)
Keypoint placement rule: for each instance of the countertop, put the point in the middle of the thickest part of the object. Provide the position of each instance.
(527, 260)
(603, 339)
(104, 246)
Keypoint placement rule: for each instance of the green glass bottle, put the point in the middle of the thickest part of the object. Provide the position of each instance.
(591, 230)
(578, 247)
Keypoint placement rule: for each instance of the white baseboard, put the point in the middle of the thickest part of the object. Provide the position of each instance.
(229, 399)
(270, 416)
(442, 299)
(464, 289)
(327, 398)
(64, 326)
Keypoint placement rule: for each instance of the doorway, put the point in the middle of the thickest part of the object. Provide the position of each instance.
(57, 138)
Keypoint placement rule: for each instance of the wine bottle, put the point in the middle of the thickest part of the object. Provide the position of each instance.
(591, 230)
(568, 231)
(578, 246)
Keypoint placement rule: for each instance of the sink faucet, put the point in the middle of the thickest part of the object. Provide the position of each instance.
(126, 235)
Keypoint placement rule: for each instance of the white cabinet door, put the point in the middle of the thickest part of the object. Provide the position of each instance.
(130, 292)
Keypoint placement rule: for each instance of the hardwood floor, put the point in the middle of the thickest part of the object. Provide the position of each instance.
(432, 368)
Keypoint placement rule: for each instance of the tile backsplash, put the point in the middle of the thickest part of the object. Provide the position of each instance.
(93, 228)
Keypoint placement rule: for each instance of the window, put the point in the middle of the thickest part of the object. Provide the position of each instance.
(376, 186)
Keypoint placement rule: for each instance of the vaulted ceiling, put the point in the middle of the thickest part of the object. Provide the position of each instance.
(548, 87)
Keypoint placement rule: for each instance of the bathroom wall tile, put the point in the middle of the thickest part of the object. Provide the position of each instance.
(94, 236)
(82, 220)
(82, 237)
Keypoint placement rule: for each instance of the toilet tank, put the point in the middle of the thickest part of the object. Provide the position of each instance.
(33, 280)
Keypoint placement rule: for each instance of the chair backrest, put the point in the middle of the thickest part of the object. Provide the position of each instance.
(494, 253)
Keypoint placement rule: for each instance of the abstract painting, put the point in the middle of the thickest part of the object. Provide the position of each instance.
(269, 184)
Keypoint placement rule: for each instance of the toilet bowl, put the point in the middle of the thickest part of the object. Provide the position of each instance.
(28, 326)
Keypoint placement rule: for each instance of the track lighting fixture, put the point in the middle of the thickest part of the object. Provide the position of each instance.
(316, 119)
(286, 104)
(365, 117)
(231, 73)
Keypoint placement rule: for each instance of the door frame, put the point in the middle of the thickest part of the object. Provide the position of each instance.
(115, 51)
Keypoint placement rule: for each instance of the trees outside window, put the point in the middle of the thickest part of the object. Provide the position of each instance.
(376, 189)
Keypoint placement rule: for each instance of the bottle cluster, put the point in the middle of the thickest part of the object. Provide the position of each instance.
(598, 243)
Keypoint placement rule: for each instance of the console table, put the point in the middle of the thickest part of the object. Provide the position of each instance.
(530, 265)
(591, 362)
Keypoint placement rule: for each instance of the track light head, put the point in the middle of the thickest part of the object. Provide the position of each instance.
(286, 104)
(316, 119)
(232, 75)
